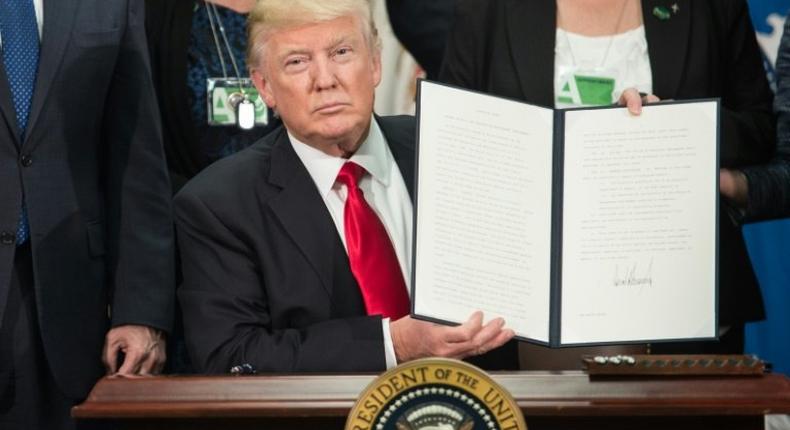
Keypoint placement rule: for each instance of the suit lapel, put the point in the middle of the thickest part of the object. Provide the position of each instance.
(302, 211)
(58, 21)
(667, 44)
(7, 107)
(531, 29)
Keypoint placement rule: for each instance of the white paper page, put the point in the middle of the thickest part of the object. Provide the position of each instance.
(639, 220)
(483, 210)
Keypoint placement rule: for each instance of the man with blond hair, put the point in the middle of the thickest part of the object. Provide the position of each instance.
(297, 251)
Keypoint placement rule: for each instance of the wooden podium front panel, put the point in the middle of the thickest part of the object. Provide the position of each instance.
(548, 400)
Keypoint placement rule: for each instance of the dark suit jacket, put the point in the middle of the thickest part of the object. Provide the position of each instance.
(422, 26)
(707, 49)
(266, 277)
(95, 186)
(769, 186)
(168, 26)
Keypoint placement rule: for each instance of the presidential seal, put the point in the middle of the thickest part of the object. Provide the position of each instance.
(435, 394)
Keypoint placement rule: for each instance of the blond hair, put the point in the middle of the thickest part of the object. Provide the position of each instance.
(269, 16)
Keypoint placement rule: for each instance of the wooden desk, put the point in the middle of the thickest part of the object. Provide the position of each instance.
(549, 400)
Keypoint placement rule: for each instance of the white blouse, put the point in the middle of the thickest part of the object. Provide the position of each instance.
(623, 57)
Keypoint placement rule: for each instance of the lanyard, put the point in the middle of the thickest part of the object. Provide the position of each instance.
(611, 38)
(213, 14)
(242, 106)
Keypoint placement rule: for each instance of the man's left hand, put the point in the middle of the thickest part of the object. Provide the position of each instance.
(143, 350)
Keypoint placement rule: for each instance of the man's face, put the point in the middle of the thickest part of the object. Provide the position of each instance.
(321, 78)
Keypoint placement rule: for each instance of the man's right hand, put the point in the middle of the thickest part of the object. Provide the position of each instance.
(414, 339)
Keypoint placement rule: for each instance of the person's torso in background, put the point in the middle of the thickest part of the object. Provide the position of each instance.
(217, 141)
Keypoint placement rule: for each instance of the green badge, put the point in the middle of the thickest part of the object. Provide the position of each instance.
(223, 96)
(586, 90)
(595, 90)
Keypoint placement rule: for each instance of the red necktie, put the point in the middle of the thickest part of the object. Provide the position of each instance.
(370, 251)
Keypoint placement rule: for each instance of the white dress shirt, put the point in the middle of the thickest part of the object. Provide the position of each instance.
(39, 6)
(384, 190)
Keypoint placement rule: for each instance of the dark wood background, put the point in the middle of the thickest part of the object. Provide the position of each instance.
(548, 400)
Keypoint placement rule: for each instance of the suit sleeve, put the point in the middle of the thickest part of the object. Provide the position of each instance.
(422, 27)
(227, 320)
(748, 123)
(464, 56)
(138, 190)
(769, 186)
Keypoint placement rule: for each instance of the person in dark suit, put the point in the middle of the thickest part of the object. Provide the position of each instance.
(764, 191)
(296, 251)
(85, 223)
(686, 49)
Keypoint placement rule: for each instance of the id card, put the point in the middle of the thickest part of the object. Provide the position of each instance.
(223, 97)
(584, 87)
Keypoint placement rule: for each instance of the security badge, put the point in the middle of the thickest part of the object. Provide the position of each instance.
(584, 87)
(236, 102)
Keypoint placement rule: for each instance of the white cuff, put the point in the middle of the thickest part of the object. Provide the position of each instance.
(389, 347)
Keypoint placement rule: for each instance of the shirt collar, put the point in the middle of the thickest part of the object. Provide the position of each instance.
(373, 154)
